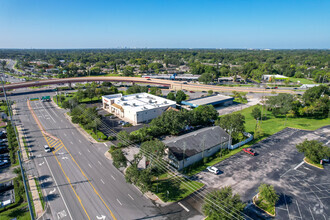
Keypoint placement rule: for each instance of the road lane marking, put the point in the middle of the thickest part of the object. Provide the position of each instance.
(40, 164)
(52, 191)
(96, 192)
(48, 113)
(57, 149)
(105, 144)
(90, 165)
(299, 165)
(79, 141)
(102, 181)
(72, 132)
(79, 153)
(119, 202)
(113, 177)
(99, 162)
(298, 209)
(184, 207)
(65, 134)
(88, 150)
(71, 142)
(66, 206)
(130, 196)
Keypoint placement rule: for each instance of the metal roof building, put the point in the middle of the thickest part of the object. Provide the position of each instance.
(209, 100)
(189, 148)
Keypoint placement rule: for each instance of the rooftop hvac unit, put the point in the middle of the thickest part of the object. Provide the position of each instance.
(122, 98)
(137, 96)
(150, 101)
(165, 102)
(133, 104)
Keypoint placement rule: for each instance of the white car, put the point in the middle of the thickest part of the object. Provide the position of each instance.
(213, 170)
(47, 149)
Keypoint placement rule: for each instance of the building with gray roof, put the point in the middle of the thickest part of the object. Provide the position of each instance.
(209, 100)
(190, 148)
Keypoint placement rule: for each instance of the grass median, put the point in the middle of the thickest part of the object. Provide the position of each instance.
(40, 194)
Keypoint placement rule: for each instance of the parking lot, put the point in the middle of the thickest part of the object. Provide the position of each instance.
(304, 190)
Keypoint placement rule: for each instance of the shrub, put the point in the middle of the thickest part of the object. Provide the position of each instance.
(112, 138)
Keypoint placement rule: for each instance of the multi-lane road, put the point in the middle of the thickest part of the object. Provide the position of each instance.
(78, 181)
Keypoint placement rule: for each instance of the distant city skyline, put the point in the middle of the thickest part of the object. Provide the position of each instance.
(143, 24)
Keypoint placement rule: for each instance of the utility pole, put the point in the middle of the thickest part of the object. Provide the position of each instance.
(203, 145)
(18, 152)
(183, 154)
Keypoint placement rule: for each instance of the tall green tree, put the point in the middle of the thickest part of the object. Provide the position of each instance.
(118, 158)
(314, 150)
(171, 96)
(232, 123)
(268, 193)
(223, 204)
(180, 96)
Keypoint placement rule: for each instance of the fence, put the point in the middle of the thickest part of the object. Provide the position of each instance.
(250, 138)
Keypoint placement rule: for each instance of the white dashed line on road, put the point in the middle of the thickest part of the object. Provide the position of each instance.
(102, 181)
(79, 153)
(119, 202)
(113, 177)
(72, 132)
(105, 144)
(99, 162)
(130, 196)
(79, 141)
(88, 150)
(90, 165)
(71, 142)
(65, 134)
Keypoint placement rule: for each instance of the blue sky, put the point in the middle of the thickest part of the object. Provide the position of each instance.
(164, 24)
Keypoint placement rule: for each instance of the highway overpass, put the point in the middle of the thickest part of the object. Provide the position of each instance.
(174, 85)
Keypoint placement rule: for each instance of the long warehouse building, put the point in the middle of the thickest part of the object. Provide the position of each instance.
(209, 100)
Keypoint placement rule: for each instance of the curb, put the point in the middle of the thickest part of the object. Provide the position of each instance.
(253, 200)
(313, 164)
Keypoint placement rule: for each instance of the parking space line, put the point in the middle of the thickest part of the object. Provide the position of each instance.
(119, 202)
(311, 213)
(286, 204)
(185, 208)
(130, 196)
(299, 165)
(298, 209)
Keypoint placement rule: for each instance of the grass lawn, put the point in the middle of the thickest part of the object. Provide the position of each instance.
(20, 212)
(171, 189)
(302, 80)
(89, 100)
(313, 164)
(264, 205)
(270, 126)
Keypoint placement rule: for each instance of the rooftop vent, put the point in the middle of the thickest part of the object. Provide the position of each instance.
(150, 101)
(165, 102)
(137, 96)
(122, 98)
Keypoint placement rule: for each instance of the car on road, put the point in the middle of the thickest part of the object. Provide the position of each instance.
(249, 151)
(203, 91)
(213, 170)
(275, 87)
(148, 79)
(192, 92)
(47, 148)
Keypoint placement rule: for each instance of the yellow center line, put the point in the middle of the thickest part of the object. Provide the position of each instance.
(41, 128)
(89, 182)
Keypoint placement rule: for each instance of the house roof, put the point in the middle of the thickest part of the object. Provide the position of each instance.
(194, 141)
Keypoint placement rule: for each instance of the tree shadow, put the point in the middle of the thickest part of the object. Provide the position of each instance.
(18, 212)
(168, 190)
(284, 200)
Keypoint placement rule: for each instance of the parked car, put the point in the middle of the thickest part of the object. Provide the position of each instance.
(249, 151)
(326, 160)
(192, 92)
(275, 87)
(213, 170)
(3, 140)
(47, 148)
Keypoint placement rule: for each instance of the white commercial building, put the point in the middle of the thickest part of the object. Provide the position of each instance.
(276, 77)
(136, 108)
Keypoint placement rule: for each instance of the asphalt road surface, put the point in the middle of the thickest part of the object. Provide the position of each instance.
(78, 182)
